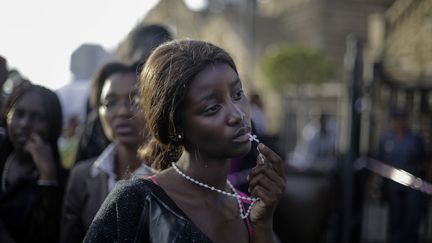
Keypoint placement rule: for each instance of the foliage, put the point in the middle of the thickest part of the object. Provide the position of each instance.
(296, 64)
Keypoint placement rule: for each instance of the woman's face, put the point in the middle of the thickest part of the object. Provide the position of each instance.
(121, 118)
(215, 117)
(27, 116)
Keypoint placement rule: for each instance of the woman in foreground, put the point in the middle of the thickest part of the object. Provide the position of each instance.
(199, 119)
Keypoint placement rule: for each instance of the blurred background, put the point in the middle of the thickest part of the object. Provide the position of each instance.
(335, 87)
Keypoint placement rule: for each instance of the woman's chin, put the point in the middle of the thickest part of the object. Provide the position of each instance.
(128, 141)
(242, 150)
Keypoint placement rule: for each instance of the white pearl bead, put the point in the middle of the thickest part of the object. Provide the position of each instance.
(234, 194)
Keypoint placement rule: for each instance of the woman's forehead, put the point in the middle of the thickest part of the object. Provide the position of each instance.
(31, 99)
(212, 76)
(119, 83)
(30, 102)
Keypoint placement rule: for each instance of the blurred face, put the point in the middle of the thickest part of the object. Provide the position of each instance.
(26, 117)
(399, 124)
(215, 117)
(121, 118)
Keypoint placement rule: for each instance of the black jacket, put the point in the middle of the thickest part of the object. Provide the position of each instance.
(84, 196)
(30, 212)
(140, 211)
(92, 141)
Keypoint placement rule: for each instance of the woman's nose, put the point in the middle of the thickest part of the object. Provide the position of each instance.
(125, 107)
(24, 121)
(236, 114)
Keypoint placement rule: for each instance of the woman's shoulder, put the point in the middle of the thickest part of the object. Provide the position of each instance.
(79, 172)
(125, 201)
(132, 193)
(131, 189)
(120, 214)
(83, 165)
(137, 193)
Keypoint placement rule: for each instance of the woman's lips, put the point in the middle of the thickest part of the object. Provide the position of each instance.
(242, 138)
(125, 129)
(21, 138)
(242, 135)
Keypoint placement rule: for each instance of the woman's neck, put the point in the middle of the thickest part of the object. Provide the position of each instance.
(213, 172)
(126, 160)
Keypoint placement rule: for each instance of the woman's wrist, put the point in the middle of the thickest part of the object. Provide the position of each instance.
(263, 222)
(263, 226)
(46, 170)
(262, 232)
(48, 176)
(43, 182)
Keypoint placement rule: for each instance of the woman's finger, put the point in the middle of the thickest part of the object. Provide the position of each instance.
(267, 184)
(261, 180)
(270, 173)
(265, 196)
(36, 138)
(271, 156)
(274, 184)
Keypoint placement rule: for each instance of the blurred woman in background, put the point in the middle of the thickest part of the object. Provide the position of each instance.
(31, 174)
(122, 122)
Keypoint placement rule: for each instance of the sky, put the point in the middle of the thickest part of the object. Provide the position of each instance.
(38, 37)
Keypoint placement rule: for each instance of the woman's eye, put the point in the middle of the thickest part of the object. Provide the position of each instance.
(109, 103)
(238, 95)
(135, 100)
(211, 110)
(37, 117)
(18, 113)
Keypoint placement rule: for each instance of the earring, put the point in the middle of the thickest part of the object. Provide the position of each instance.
(177, 137)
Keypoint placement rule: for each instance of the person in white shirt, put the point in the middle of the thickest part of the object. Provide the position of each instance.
(84, 63)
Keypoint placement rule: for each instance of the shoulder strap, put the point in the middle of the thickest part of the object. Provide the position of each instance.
(153, 179)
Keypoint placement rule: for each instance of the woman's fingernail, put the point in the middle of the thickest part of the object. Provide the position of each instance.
(262, 146)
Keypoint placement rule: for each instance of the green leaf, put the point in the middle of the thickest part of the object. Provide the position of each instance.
(296, 64)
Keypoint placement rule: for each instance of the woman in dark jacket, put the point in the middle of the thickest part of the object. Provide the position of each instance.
(199, 119)
(31, 175)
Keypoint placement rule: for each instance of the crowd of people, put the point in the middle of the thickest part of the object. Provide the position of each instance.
(168, 150)
(152, 160)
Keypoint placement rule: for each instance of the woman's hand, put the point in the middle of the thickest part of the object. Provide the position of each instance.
(267, 182)
(42, 157)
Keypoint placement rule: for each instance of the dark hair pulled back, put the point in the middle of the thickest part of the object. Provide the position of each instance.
(164, 83)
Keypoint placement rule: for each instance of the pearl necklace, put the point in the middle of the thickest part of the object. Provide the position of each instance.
(234, 194)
